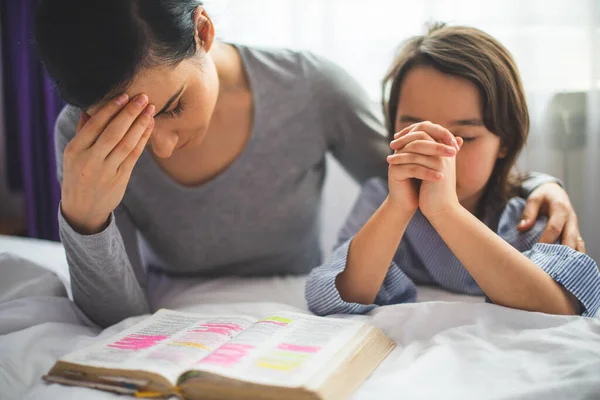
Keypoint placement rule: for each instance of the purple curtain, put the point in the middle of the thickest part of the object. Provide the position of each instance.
(31, 107)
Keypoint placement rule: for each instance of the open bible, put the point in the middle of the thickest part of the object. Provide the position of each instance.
(285, 355)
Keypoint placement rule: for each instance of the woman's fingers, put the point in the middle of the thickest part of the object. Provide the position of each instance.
(89, 129)
(430, 162)
(425, 147)
(580, 245)
(119, 126)
(571, 236)
(131, 139)
(83, 119)
(401, 173)
(554, 228)
(127, 165)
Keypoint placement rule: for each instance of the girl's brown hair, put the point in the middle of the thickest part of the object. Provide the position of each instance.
(476, 56)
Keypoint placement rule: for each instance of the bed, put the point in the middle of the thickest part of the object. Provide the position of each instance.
(449, 346)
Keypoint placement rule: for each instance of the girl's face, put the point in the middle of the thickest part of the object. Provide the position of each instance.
(453, 102)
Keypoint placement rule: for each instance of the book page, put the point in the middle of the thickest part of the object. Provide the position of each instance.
(168, 343)
(284, 349)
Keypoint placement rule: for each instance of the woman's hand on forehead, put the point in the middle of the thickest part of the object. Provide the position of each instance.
(99, 160)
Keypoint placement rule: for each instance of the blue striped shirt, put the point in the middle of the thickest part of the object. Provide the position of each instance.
(423, 258)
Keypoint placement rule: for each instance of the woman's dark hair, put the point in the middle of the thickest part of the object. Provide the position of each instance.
(92, 49)
(474, 55)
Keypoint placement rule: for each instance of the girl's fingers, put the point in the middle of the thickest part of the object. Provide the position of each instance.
(439, 133)
(436, 132)
(430, 162)
(119, 126)
(127, 165)
(401, 173)
(131, 138)
(90, 129)
(427, 148)
(405, 130)
(401, 142)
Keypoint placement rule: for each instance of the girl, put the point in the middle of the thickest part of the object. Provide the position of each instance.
(230, 182)
(447, 215)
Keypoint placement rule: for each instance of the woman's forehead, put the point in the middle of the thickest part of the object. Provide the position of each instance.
(158, 83)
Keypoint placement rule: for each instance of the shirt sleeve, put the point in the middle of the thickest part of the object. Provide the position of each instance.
(107, 277)
(575, 271)
(534, 180)
(354, 128)
(322, 295)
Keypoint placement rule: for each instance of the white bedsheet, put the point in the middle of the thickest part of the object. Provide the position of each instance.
(453, 348)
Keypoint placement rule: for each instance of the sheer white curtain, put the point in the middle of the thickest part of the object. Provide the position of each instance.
(556, 44)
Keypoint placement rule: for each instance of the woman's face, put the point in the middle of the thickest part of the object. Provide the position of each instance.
(185, 98)
(453, 102)
(184, 95)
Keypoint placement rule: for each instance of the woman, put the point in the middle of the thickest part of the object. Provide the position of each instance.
(231, 180)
